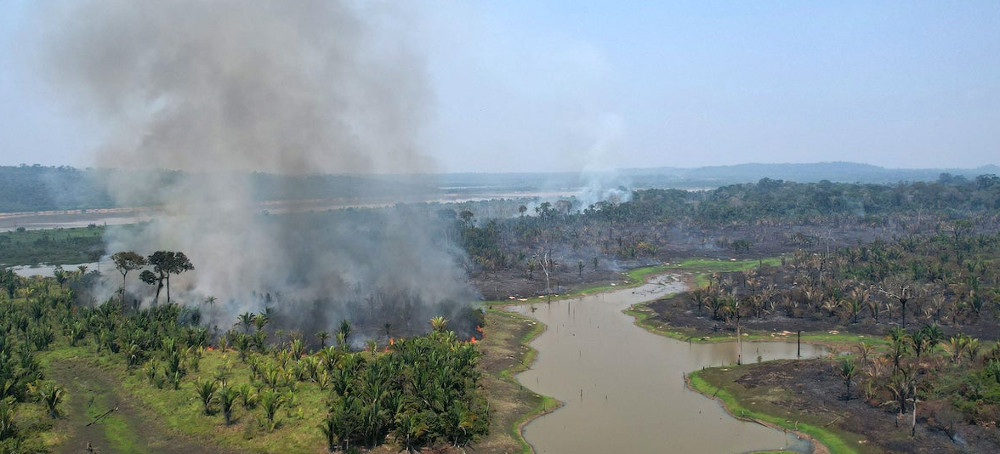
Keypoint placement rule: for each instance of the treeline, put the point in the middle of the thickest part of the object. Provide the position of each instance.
(59, 246)
(949, 279)
(936, 298)
(805, 202)
(40, 188)
(736, 219)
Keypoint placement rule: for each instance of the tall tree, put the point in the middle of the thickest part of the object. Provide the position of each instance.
(166, 263)
(126, 261)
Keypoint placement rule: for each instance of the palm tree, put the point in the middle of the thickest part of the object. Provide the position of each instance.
(271, 401)
(227, 398)
(52, 395)
(903, 386)
(322, 336)
(206, 393)
(853, 306)
(956, 346)
(248, 397)
(8, 409)
(439, 324)
(898, 342)
(865, 350)
(344, 334)
(411, 430)
(245, 320)
(972, 349)
(919, 341)
(848, 370)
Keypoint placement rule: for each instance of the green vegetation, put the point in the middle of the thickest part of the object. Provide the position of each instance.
(415, 393)
(57, 246)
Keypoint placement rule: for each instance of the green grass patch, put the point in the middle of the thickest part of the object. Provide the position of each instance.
(62, 245)
(702, 268)
(181, 411)
(835, 442)
(123, 438)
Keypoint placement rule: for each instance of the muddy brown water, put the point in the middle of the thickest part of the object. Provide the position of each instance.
(623, 387)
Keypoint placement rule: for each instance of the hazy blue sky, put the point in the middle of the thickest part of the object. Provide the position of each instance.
(570, 85)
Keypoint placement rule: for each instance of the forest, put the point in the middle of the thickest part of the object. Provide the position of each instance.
(911, 267)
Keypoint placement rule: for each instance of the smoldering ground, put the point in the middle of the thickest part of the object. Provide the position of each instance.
(219, 89)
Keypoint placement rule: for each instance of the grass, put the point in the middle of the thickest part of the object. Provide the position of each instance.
(297, 424)
(505, 353)
(703, 268)
(123, 439)
(179, 411)
(745, 404)
(156, 417)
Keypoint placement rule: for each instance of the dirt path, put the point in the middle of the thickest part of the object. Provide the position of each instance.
(124, 428)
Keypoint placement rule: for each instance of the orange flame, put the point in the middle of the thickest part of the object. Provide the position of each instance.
(209, 348)
(392, 341)
(479, 328)
(473, 340)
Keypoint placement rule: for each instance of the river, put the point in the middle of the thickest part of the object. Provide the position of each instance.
(623, 387)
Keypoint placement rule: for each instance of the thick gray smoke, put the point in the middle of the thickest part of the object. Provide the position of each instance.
(221, 88)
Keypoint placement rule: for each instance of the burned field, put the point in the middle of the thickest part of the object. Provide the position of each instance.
(813, 392)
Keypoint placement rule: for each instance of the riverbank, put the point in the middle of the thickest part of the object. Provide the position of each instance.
(505, 353)
(695, 275)
(608, 393)
(809, 396)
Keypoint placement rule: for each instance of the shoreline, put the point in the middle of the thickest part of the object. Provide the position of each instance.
(818, 446)
(638, 277)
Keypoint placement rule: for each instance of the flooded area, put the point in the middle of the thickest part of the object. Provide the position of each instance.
(623, 387)
(49, 270)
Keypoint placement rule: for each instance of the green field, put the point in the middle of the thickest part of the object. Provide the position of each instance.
(52, 246)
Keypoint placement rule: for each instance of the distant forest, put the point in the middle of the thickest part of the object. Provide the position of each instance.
(768, 217)
(40, 188)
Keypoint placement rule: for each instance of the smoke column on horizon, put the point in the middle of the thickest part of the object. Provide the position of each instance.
(219, 89)
(601, 181)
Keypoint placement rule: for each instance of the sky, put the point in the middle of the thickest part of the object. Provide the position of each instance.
(526, 86)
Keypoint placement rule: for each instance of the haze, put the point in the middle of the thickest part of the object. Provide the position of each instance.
(526, 86)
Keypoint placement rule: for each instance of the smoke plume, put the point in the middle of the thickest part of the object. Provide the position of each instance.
(223, 88)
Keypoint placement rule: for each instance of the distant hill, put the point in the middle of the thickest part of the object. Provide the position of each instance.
(38, 188)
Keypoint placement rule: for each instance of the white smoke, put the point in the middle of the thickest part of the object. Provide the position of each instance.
(601, 182)
(218, 89)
